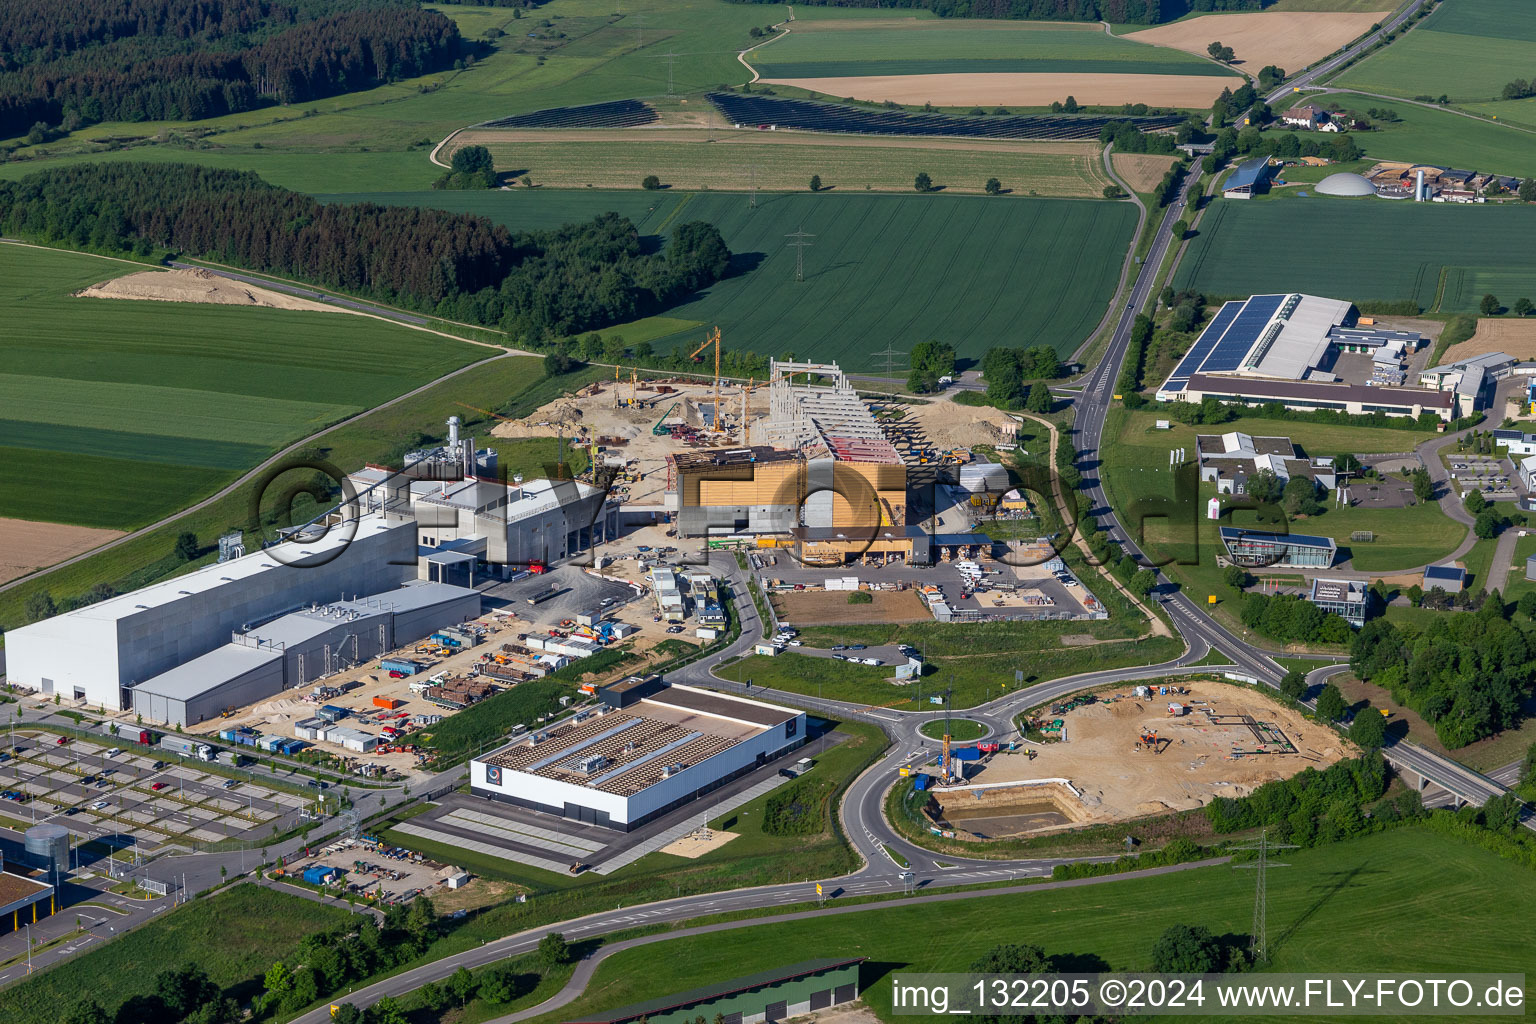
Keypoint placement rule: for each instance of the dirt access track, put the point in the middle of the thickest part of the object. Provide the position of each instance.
(1022, 89)
(1116, 778)
(196, 286)
(26, 546)
(1287, 39)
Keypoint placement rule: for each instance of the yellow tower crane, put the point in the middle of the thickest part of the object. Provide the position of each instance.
(713, 339)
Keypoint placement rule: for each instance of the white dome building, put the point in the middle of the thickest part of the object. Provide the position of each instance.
(1345, 184)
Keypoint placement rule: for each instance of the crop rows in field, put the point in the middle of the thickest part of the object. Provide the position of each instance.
(1363, 251)
(881, 270)
(117, 412)
(618, 114)
(960, 49)
(830, 117)
(1468, 50)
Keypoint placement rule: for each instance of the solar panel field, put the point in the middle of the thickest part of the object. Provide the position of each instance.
(1365, 251)
(117, 412)
(881, 270)
(1468, 50)
(843, 49)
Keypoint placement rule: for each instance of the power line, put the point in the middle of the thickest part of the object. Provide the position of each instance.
(1259, 944)
(671, 59)
(752, 201)
(800, 243)
(890, 357)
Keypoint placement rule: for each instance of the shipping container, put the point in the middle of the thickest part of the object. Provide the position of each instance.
(920, 782)
(966, 754)
(388, 703)
(404, 666)
(332, 713)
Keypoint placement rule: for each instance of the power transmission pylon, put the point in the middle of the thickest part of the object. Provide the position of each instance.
(671, 58)
(1259, 945)
(752, 202)
(890, 357)
(800, 243)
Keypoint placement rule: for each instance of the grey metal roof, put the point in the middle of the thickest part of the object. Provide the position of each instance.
(201, 674)
(1248, 173)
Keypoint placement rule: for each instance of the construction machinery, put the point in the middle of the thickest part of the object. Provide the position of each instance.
(718, 424)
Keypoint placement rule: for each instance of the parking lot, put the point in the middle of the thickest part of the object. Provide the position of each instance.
(147, 800)
(1493, 477)
(384, 874)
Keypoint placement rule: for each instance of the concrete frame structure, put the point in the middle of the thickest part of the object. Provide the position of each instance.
(299, 648)
(617, 768)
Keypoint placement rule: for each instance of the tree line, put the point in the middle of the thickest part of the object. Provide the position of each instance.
(1125, 12)
(533, 285)
(68, 63)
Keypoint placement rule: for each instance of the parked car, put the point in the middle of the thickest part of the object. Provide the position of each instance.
(839, 647)
(231, 784)
(98, 805)
(872, 661)
(157, 787)
(61, 741)
(856, 647)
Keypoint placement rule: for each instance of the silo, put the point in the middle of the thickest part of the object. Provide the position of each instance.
(47, 847)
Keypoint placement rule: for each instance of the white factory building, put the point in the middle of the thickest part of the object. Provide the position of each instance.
(296, 649)
(1283, 349)
(650, 748)
(98, 653)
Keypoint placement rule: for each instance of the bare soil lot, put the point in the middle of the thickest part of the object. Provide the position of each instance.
(1142, 171)
(1288, 39)
(196, 286)
(1022, 90)
(1517, 337)
(831, 607)
(26, 546)
(1203, 754)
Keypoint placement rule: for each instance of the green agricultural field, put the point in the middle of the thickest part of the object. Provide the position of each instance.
(695, 160)
(1332, 248)
(881, 270)
(967, 47)
(119, 412)
(234, 936)
(1434, 135)
(1468, 49)
(1328, 911)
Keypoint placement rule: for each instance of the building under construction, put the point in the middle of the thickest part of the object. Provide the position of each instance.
(820, 474)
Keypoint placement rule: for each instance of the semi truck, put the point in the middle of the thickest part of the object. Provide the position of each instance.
(188, 747)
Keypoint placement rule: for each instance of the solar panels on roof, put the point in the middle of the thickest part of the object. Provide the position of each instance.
(1240, 337)
(1190, 364)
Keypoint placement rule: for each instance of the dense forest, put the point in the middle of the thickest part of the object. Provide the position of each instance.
(67, 63)
(1125, 12)
(535, 285)
(1467, 674)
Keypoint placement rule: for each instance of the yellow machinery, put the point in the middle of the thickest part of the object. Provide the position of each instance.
(714, 339)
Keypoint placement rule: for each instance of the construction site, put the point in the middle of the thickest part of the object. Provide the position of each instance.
(1130, 753)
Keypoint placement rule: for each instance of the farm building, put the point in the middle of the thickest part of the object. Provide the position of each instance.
(1257, 549)
(1249, 179)
(761, 998)
(1344, 598)
(296, 649)
(1281, 349)
(652, 747)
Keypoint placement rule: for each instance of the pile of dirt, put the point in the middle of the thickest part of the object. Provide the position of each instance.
(960, 426)
(196, 286)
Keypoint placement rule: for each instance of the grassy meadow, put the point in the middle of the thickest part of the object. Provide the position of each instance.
(881, 270)
(135, 408)
(1327, 911)
(1445, 257)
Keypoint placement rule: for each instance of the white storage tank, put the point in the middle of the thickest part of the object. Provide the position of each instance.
(47, 846)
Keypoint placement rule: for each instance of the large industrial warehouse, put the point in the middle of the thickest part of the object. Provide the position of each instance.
(1283, 349)
(652, 747)
(298, 648)
(99, 652)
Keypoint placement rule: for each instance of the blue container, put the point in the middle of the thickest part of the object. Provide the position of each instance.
(920, 782)
(966, 754)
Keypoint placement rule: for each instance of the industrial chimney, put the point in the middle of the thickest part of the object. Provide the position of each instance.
(453, 433)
